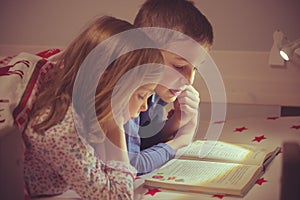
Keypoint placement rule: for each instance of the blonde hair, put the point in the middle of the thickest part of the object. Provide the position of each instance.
(56, 95)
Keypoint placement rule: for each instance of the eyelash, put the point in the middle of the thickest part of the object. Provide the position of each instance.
(182, 67)
(141, 97)
(178, 66)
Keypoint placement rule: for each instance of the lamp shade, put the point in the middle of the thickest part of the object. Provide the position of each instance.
(288, 50)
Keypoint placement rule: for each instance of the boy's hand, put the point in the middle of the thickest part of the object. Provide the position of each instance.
(186, 105)
(183, 119)
(185, 111)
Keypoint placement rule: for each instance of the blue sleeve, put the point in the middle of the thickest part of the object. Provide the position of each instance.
(147, 160)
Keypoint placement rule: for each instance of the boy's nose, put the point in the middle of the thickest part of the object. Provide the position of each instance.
(189, 76)
(144, 106)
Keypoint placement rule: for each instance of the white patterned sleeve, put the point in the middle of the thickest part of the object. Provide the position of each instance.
(91, 178)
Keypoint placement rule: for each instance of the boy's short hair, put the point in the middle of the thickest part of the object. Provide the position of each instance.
(178, 15)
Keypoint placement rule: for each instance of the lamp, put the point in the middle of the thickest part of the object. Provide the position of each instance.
(290, 50)
(274, 56)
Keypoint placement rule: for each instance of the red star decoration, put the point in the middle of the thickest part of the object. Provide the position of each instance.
(218, 196)
(152, 191)
(261, 181)
(296, 127)
(272, 118)
(240, 129)
(259, 138)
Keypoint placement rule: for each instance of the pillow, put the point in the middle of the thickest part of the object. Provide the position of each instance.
(20, 78)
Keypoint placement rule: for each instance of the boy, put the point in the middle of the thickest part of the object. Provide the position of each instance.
(152, 141)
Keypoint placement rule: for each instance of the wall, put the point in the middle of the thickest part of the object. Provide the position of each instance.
(245, 25)
(249, 79)
(243, 37)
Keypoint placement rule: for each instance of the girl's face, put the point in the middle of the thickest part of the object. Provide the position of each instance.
(138, 100)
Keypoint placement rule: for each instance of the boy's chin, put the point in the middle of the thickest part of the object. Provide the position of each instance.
(167, 96)
(134, 116)
(169, 99)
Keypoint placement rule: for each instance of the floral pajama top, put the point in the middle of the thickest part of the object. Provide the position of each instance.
(60, 159)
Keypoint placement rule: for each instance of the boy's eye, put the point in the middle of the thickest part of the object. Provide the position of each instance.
(141, 97)
(178, 67)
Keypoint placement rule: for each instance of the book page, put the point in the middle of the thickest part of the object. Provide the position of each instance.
(219, 177)
(224, 152)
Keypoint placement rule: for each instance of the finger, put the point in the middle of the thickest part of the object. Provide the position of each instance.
(188, 110)
(176, 104)
(191, 89)
(190, 93)
(186, 100)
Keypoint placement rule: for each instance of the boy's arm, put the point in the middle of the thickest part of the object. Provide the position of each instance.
(152, 123)
(166, 133)
(183, 116)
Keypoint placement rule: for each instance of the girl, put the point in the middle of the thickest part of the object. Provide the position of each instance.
(65, 147)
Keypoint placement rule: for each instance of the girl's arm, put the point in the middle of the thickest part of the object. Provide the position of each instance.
(147, 160)
(88, 175)
(70, 156)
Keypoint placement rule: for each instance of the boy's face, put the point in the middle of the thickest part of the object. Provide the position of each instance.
(138, 100)
(186, 69)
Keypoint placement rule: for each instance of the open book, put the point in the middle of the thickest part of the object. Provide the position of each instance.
(214, 167)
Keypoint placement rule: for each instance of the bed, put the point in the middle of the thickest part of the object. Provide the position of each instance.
(241, 111)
